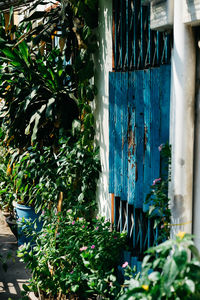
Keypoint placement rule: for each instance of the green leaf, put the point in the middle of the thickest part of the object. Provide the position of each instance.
(180, 256)
(49, 107)
(75, 288)
(25, 287)
(10, 15)
(194, 251)
(190, 285)
(170, 271)
(154, 276)
(24, 52)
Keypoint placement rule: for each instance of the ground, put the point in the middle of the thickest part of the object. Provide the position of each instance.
(11, 281)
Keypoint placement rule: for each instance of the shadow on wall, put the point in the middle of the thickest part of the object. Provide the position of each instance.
(103, 64)
(179, 216)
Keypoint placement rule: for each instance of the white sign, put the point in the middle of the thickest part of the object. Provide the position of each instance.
(162, 14)
(191, 12)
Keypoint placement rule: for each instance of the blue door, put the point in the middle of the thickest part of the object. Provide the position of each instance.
(139, 105)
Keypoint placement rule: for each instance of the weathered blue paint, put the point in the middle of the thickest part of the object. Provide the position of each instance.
(118, 136)
(155, 123)
(139, 139)
(139, 123)
(131, 139)
(125, 87)
(147, 135)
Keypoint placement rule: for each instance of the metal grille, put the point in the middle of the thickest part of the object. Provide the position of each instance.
(135, 45)
(140, 230)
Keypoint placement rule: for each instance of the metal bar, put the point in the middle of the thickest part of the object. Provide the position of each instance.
(158, 48)
(134, 228)
(121, 216)
(122, 50)
(113, 36)
(135, 30)
(141, 37)
(116, 34)
(127, 34)
(112, 208)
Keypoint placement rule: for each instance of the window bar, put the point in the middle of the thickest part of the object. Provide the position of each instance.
(134, 228)
(116, 33)
(127, 34)
(113, 37)
(121, 34)
(135, 34)
(121, 215)
(158, 48)
(142, 36)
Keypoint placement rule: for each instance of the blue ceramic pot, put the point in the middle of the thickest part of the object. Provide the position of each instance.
(26, 213)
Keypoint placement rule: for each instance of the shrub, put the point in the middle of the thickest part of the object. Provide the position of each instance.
(74, 257)
(167, 272)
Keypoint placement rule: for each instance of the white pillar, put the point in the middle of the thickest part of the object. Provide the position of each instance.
(182, 122)
(196, 217)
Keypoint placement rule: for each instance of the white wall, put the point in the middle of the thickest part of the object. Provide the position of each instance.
(103, 62)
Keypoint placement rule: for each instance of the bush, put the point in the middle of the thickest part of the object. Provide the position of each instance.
(167, 272)
(74, 257)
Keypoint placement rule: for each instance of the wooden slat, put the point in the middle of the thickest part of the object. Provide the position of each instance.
(118, 136)
(155, 123)
(131, 139)
(139, 137)
(124, 148)
(147, 136)
(165, 76)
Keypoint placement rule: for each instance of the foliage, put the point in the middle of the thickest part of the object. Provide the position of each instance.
(44, 90)
(41, 92)
(37, 94)
(6, 183)
(168, 272)
(74, 257)
(157, 199)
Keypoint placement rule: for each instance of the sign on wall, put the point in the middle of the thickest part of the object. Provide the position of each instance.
(191, 14)
(162, 14)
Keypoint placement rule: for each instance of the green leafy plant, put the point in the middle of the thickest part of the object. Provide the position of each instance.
(73, 256)
(168, 272)
(157, 199)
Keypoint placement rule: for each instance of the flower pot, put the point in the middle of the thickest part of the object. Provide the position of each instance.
(12, 223)
(24, 214)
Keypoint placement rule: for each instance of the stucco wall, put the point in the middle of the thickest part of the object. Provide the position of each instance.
(103, 64)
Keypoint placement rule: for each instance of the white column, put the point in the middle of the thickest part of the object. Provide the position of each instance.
(196, 216)
(182, 122)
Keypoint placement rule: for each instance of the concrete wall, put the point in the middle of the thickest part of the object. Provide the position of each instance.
(103, 62)
(182, 122)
